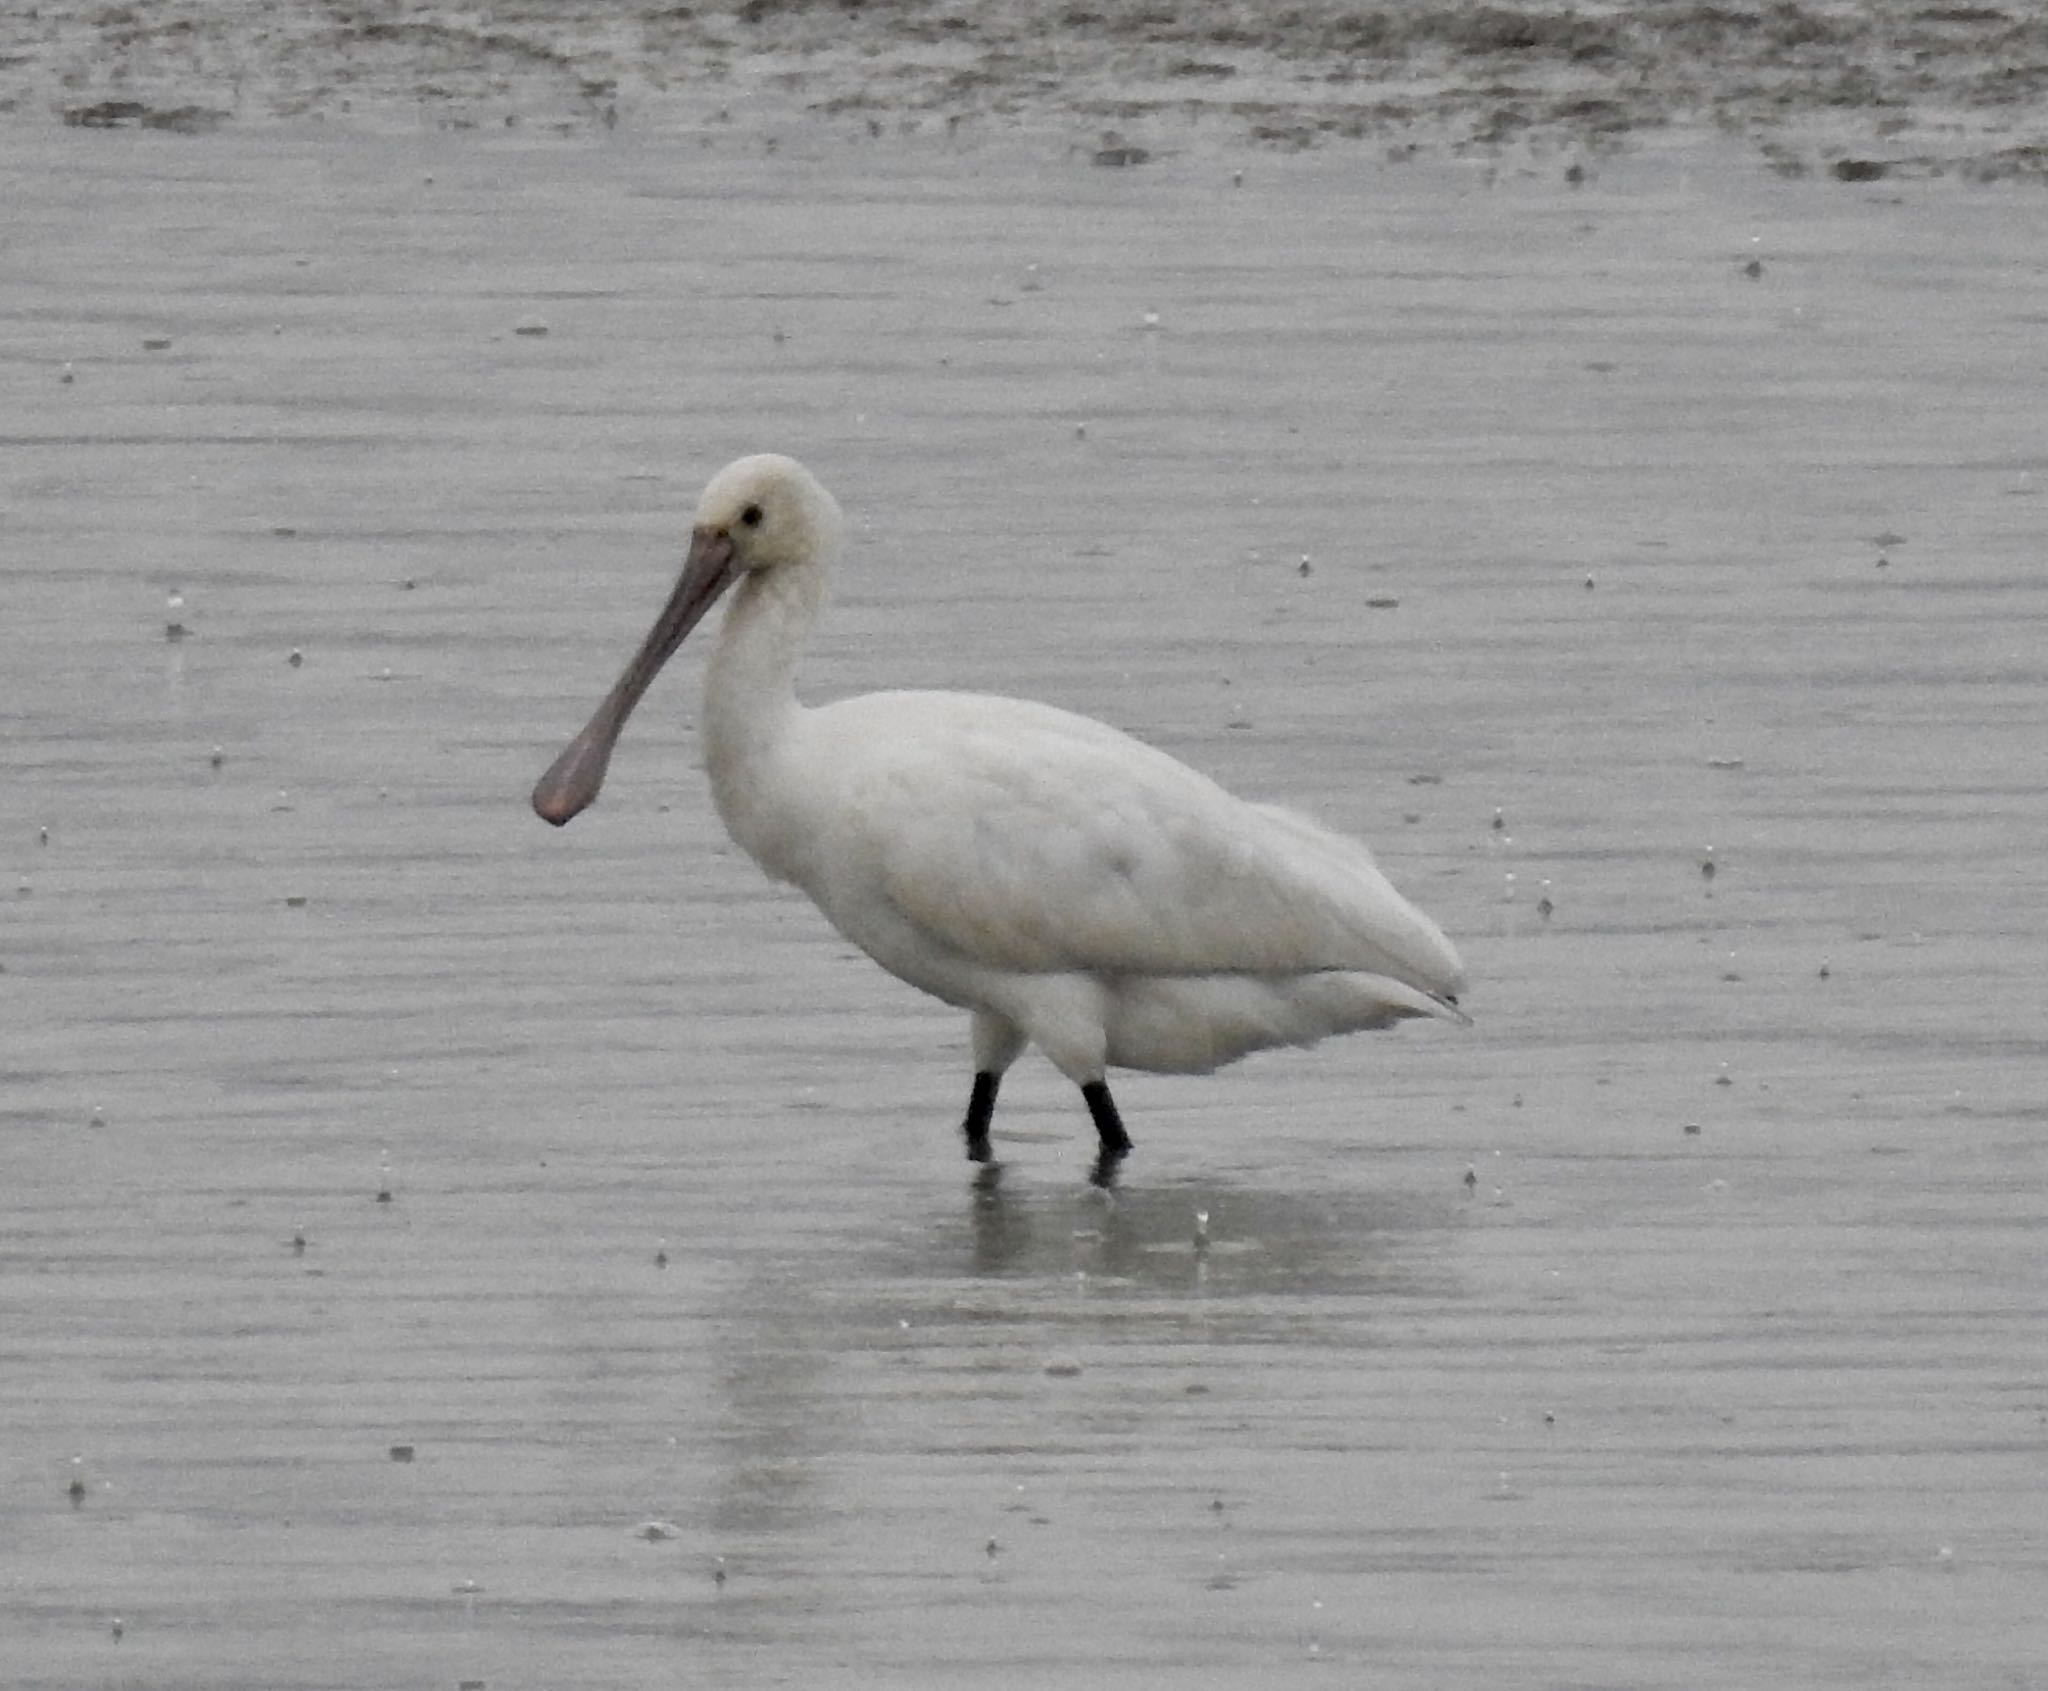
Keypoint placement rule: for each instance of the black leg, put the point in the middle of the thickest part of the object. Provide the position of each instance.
(981, 1106)
(1109, 1128)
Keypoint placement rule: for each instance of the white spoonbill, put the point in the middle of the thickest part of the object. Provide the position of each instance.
(1071, 887)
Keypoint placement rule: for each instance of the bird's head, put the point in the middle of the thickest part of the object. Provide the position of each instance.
(767, 511)
(759, 515)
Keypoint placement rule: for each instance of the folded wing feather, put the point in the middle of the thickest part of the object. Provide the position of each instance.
(1031, 839)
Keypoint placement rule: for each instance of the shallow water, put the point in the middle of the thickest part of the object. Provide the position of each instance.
(1763, 1403)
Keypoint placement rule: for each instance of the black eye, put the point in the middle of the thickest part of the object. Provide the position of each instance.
(751, 516)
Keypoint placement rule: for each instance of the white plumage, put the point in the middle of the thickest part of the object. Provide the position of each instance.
(1074, 888)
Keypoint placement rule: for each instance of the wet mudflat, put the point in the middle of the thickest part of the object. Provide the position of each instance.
(1516, 526)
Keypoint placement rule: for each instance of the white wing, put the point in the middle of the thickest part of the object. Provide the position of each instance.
(1027, 838)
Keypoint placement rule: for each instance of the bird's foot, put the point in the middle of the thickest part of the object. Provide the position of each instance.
(1102, 1174)
(1109, 1129)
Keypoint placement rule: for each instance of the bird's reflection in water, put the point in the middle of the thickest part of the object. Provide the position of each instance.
(1209, 1238)
(1002, 1228)
(836, 1350)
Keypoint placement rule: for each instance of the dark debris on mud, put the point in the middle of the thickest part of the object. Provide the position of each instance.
(1917, 87)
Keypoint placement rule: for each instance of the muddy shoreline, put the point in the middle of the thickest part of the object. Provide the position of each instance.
(1856, 91)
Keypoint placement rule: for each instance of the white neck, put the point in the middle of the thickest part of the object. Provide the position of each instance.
(750, 703)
